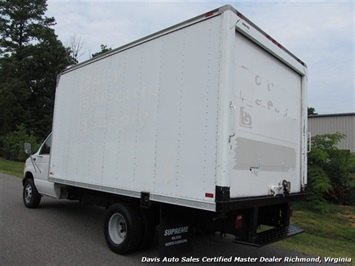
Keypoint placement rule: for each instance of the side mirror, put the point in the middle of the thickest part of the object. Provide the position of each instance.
(28, 148)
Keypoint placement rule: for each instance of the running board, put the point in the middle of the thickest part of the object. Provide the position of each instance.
(273, 235)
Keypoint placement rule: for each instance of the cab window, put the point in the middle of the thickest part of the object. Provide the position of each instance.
(46, 147)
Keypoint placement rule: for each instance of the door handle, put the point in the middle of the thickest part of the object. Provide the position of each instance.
(37, 157)
(233, 110)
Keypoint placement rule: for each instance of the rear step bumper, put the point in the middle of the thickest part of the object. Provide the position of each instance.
(272, 235)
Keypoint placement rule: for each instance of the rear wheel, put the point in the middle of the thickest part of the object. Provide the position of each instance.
(31, 197)
(123, 228)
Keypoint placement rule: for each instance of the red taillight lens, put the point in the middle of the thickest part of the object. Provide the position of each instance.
(239, 221)
(291, 212)
(240, 15)
(209, 195)
(209, 14)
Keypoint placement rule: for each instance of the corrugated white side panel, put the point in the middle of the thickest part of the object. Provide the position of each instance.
(186, 133)
(144, 119)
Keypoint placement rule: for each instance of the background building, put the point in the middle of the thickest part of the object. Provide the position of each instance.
(332, 123)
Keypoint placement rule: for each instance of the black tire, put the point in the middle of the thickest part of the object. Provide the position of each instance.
(31, 197)
(149, 226)
(123, 228)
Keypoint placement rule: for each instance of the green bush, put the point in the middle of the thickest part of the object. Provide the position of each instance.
(331, 171)
(318, 182)
(12, 144)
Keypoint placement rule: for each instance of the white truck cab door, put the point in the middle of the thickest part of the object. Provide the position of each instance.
(41, 159)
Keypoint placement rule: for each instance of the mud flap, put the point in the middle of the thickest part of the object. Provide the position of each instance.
(273, 235)
(175, 233)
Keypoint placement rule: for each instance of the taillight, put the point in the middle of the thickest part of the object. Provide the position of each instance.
(239, 221)
(240, 15)
(274, 41)
(209, 195)
(209, 14)
(291, 212)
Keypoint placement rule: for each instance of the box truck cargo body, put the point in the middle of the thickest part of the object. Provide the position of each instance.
(208, 116)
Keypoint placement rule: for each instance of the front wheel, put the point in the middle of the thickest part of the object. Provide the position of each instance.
(31, 197)
(123, 228)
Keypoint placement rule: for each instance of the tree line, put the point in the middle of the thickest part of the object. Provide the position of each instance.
(31, 57)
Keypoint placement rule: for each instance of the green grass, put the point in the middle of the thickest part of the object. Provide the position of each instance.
(330, 233)
(11, 167)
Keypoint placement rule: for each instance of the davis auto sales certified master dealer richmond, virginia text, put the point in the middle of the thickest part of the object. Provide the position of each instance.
(232, 259)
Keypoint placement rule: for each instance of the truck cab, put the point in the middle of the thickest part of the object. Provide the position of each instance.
(36, 174)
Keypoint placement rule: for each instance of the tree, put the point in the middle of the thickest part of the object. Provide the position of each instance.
(77, 47)
(22, 22)
(311, 111)
(104, 49)
(31, 57)
(13, 143)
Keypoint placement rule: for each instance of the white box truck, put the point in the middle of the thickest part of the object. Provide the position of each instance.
(200, 125)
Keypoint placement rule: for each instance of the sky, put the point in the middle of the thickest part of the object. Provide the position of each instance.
(320, 33)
